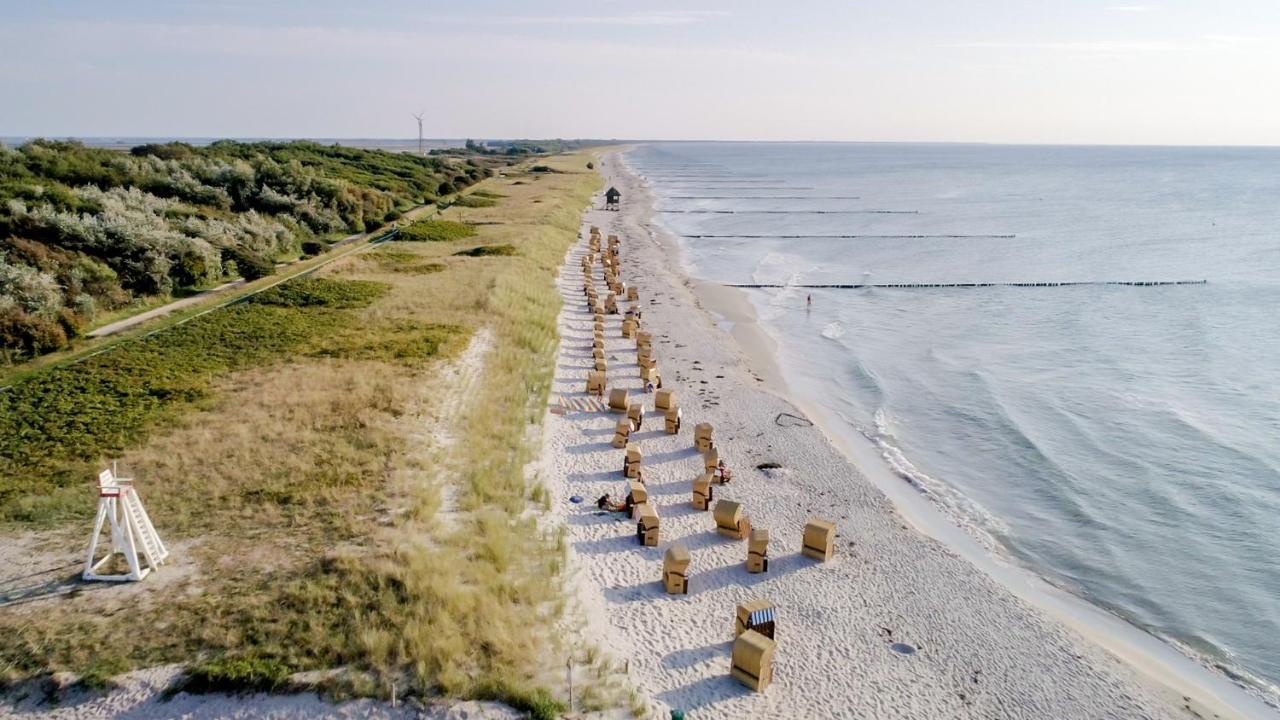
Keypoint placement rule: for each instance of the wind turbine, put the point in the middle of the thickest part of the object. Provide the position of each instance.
(418, 117)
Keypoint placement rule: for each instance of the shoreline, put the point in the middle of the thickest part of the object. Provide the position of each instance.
(976, 650)
(1184, 678)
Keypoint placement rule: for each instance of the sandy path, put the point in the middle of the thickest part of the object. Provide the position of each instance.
(981, 653)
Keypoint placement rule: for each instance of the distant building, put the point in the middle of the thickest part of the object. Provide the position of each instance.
(611, 198)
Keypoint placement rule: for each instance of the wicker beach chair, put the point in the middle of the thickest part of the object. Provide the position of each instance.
(819, 539)
(675, 569)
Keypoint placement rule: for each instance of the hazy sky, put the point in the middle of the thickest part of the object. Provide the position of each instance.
(1070, 71)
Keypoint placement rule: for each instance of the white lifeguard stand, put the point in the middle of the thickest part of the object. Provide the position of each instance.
(130, 528)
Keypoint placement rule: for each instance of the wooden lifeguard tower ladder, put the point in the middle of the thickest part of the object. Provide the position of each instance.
(131, 530)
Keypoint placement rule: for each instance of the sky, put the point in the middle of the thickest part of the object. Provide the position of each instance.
(1171, 72)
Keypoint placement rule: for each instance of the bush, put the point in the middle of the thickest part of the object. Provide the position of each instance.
(322, 292)
(591, 166)
(392, 216)
(537, 704)
(251, 265)
(30, 335)
(236, 675)
(541, 169)
(446, 188)
(437, 231)
(311, 248)
(475, 201)
(488, 251)
(403, 341)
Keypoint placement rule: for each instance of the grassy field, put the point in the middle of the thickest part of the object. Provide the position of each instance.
(339, 464)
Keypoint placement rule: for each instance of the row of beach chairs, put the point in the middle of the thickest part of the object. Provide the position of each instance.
(754, 622)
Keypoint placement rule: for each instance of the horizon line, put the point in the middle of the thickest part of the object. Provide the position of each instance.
(616, 141)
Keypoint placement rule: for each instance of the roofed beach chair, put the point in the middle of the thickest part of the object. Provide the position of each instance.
(621, 433)
(650, 374)
(702, 492)
(635, 411)
(672, 419)
(730, 520)
(758, 615)
(819, 539)
(752, 663)
(675, 570)
(702, 437)
(710, 459)
(647, 526)
(595, 381)
(618, 400)
(664, 400)
(758, 551)
(631, 462)
(637, 494)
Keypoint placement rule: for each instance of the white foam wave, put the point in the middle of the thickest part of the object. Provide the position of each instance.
(964, 511)
(833, 330)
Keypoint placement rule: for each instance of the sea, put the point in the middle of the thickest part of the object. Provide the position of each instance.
(999, 336)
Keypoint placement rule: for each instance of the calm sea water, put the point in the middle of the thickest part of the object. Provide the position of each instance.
(1123, 441)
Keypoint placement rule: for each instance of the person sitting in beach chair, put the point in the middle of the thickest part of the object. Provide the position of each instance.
(723, 474)
(607, 504)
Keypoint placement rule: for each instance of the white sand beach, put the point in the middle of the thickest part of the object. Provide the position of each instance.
(980, 652)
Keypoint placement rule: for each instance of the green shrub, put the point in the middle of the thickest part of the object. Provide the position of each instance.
(236, 675)
(437, 231)
(101, 669)
(419, 268)
(537, 704)
(25, 335)
(395, 342)
(475, 201)
(321, 292)
(251, 265)
(446, 188)
(488, 251)
(403, 262)
(312, 248)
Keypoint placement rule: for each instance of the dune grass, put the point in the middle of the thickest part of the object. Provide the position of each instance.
(503, 250)
(436, 231)
(57, 426)
(341, 503)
